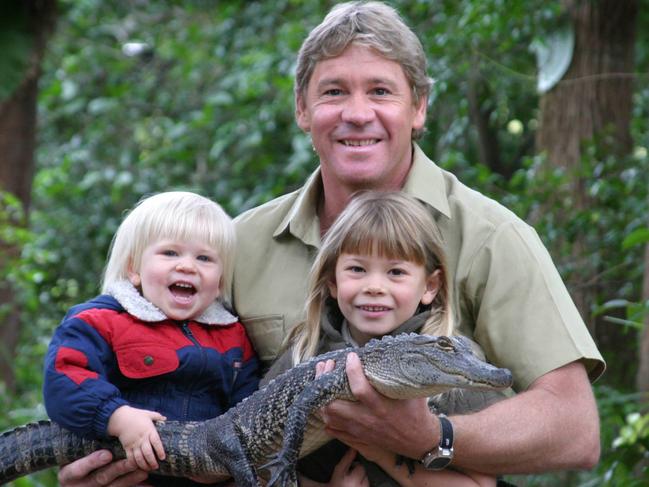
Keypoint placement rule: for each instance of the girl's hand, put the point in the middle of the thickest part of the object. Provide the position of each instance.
(138, 435)
(348, 474)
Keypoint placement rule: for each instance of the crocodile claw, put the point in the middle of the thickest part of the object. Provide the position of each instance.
(283, 472)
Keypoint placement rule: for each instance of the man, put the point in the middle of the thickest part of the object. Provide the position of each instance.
(361, 93)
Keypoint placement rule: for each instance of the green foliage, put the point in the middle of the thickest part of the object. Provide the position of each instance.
(138, 97)
(625, 441)
(17, 45)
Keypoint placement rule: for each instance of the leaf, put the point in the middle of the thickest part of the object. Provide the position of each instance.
(637, 237)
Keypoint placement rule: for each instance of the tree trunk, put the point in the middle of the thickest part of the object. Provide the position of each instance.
(480, 110)
(592, 102)
(17, 144)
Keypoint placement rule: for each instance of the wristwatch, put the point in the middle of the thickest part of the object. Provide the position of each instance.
(439, 458)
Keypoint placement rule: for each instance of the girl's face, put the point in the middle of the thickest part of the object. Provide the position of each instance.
(182, 278)
(376, 294)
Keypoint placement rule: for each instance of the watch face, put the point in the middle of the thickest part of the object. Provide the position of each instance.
(438, 463)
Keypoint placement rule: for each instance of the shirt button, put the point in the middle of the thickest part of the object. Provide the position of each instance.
(148, 360)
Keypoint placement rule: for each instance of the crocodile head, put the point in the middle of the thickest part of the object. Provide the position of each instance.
(413, 365)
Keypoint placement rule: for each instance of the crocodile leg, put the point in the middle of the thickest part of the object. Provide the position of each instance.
(315, 395)
(228, 447)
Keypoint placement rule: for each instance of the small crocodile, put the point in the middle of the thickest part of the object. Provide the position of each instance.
(265, 434)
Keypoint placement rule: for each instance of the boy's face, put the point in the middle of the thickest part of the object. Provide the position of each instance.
(376, 294)
(182, 278)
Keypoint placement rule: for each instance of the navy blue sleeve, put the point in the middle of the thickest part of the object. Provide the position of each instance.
(247, 380)
(76, 389)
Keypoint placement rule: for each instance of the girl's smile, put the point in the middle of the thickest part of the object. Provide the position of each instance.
(377, 294)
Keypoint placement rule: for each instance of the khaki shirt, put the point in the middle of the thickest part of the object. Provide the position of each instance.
(507, 293)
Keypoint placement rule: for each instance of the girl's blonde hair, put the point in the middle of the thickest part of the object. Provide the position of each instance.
(389, 224)
(174, 215)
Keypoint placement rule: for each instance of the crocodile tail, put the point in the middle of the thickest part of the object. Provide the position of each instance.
(37, 446)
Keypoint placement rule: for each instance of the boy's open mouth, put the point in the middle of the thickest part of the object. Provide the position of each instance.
(182, 290)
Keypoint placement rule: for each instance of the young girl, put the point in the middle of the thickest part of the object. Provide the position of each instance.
(159, 342)
(380, 271)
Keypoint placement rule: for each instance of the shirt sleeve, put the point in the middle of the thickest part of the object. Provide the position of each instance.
(76, 389)
(524, 317)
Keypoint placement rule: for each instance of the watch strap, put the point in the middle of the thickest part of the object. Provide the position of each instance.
(446, 433)
(441, 456)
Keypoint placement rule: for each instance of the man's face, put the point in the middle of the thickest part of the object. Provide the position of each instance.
(360, 112)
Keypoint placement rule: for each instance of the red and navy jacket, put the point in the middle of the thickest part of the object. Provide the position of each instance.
(119, 349)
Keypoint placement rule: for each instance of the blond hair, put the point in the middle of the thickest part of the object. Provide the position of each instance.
(370, 24)
(175, 215)
(390, 224)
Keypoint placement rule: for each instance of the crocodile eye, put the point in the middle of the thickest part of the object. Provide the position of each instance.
(445, 344)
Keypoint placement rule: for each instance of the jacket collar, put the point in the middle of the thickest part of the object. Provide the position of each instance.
(137, 305)
(425, 182)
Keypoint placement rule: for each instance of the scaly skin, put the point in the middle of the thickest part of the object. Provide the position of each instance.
(267, 432)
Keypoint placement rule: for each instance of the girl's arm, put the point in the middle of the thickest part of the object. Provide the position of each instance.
(423, 477)
(138, 435)
(346, 474)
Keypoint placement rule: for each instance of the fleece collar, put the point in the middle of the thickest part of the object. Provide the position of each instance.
(137, 305)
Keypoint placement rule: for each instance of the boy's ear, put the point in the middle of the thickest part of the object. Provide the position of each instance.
(133, 277)
(433, 284)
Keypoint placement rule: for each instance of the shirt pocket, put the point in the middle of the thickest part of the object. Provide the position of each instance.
(266, 333)
(142, 361)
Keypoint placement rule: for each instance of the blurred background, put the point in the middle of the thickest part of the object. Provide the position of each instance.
(541, 104)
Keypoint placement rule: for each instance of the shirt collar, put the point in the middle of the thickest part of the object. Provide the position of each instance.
(302, 220)
(425, 182)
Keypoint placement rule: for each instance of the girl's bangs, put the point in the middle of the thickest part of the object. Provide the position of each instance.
(384, 241)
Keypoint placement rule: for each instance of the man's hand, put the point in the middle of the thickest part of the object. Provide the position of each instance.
(406, 427)
(96, 470)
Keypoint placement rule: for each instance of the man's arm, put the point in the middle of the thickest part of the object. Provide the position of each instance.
(557, 415)
(97, 469)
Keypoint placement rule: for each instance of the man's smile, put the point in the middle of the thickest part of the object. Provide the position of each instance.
(359, 143)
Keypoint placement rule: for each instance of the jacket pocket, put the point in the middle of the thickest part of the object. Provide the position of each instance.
(266, 333)
(146, 360)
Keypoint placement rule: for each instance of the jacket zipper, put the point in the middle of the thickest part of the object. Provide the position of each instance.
(188, 333)
(236, 368)
(236, 365)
